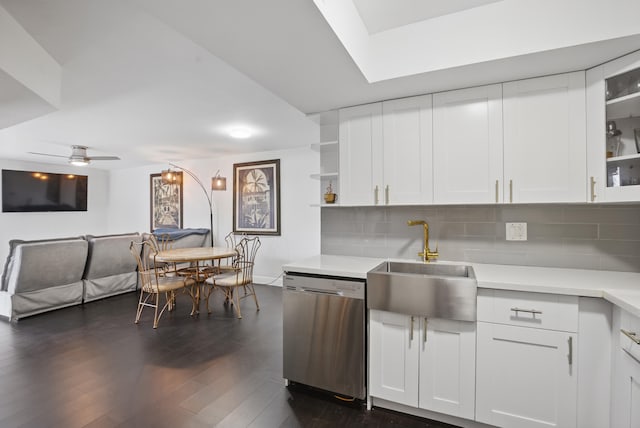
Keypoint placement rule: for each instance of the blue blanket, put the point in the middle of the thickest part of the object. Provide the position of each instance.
(179, 233)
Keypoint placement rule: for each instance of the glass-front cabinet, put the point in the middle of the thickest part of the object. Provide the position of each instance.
(613, 130)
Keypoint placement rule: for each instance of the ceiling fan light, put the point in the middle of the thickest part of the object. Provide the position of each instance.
(79, 162)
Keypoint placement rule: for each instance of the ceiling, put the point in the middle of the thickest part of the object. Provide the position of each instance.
(153, 81)
(382, 15)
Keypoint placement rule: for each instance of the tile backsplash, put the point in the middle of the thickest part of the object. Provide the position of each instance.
(585, 236)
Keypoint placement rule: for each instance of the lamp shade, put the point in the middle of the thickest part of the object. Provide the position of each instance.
(171, 177)
(218, 183)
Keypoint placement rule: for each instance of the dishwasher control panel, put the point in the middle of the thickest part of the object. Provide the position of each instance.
(343, 287)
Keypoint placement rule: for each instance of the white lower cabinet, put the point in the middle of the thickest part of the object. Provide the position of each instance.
(447, 367)
(625, 399)
(393, 357)
(527, 365)
(629, 394)
(425, 363)
(527, 377)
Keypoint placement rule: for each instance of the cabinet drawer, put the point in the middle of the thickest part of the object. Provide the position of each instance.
(538, 310)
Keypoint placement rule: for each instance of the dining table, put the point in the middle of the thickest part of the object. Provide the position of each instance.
(195, 256)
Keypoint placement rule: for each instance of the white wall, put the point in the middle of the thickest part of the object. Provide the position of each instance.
(57, 224)
(300, 223)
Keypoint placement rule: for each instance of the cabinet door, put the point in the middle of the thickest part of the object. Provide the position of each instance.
(628, 407)
(624, 111)
(526, 377)
(447, 367)
(467, 145)
(545, 139)
(408, 177)
(393, 357)
(360, 138)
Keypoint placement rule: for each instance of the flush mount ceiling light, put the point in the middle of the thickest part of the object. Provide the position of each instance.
(240, 133)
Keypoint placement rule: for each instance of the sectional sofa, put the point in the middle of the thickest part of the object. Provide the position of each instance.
(44, 275)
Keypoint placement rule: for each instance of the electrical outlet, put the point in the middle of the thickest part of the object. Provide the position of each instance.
(516, 231)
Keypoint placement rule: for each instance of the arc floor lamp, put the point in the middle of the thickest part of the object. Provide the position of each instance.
(217, 183)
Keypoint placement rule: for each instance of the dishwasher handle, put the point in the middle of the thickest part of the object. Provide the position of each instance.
(313, 290)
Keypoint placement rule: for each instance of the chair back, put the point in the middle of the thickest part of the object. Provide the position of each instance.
(145, 253)
(246, 249)
(166, 242)
(230, 240)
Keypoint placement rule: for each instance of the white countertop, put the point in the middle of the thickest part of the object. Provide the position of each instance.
(324, 264)
(619, 288)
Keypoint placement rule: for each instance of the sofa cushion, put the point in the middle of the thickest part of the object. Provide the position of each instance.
(36, 265)
(12, 247)
(109, 255)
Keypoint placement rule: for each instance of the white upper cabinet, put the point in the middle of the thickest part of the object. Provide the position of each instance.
(613, 130)
(360, 140)
(385, 153)
(408, 151)
(467, 145)
(518, 142)
(545, 139)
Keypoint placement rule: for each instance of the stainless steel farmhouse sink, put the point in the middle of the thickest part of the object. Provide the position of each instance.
(430, 290)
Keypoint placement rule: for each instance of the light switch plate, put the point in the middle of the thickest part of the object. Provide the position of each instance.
(516, 231)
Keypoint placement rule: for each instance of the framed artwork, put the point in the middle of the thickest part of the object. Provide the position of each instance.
(166, 203)
(256, 197)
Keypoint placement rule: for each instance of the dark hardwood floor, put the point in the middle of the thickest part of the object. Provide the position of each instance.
(91, 366)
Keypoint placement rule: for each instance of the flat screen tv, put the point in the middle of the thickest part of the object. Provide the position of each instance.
(32, 191)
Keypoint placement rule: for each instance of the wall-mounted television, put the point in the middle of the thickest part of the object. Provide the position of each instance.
(35, 191)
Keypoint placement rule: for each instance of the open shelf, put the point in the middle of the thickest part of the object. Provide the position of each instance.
(624, 107)
(324, 175)
(623, 158)
(324, 144)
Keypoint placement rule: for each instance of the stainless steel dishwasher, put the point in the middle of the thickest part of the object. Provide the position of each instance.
(324, 333)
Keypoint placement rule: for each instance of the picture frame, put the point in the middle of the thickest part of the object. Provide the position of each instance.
(256, 197)
(165, 203)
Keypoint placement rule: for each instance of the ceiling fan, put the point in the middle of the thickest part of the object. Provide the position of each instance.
(79, 156)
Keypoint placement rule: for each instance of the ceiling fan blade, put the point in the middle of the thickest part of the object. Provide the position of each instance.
(48, 154)
(103, 158)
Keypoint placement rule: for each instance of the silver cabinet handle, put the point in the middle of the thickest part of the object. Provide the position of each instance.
(511, 191)
(386, 195)
(497, 191)
(411, 331)
(424, 334)
(570, 356)
(375, 196)
(631, 335)
(593, 189)
(529, 311)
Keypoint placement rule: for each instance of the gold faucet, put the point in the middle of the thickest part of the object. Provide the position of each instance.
(426, 253)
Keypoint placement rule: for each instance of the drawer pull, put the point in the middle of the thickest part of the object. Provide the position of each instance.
(631, 335)
(534, 312)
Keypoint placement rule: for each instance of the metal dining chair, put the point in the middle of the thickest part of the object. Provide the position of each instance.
(154, 282)
(240, 276)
